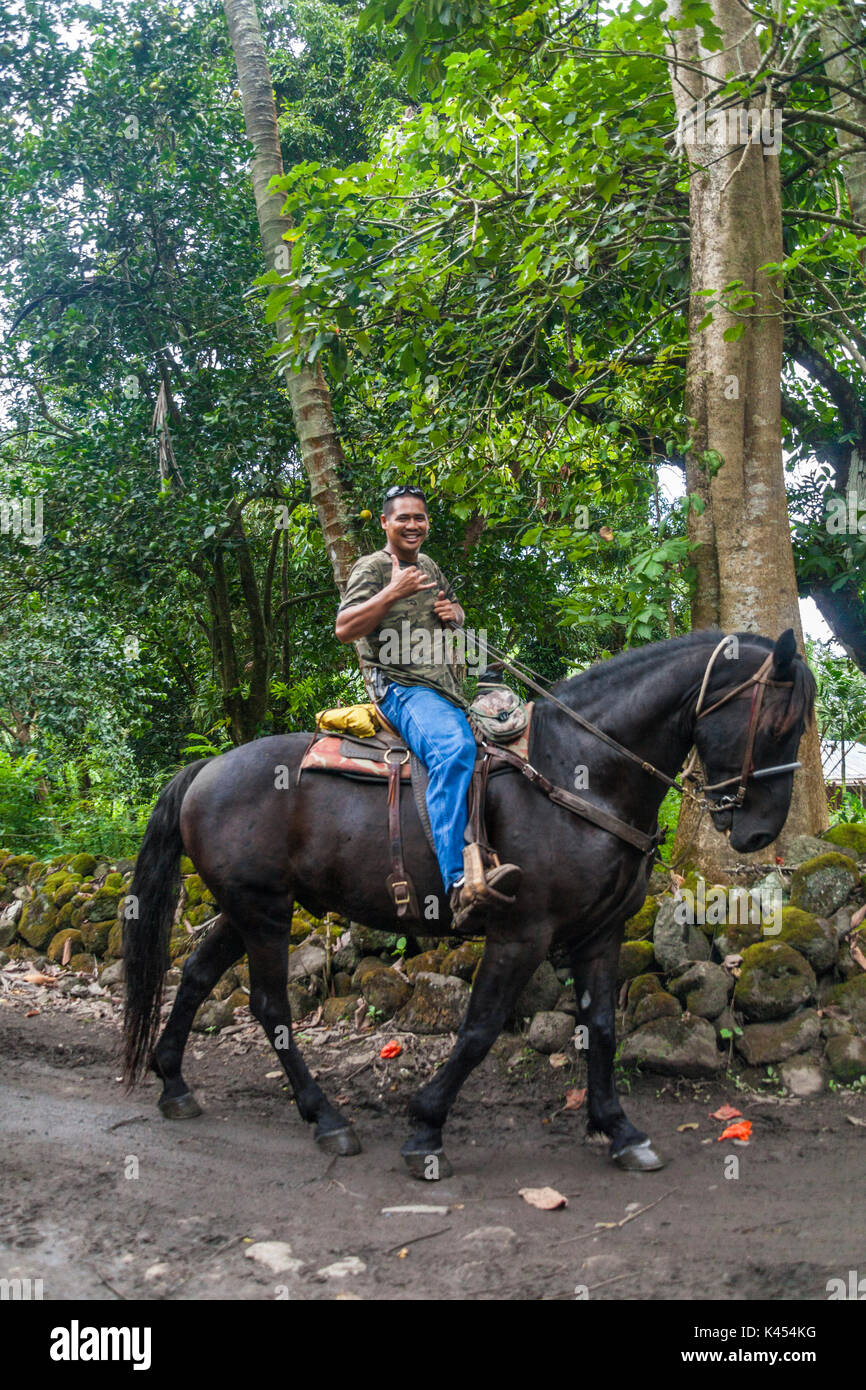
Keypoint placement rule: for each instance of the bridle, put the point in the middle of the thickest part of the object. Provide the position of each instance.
(758, 683)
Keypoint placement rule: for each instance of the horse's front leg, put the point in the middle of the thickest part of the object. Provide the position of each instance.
(595, 991)
(504, 970)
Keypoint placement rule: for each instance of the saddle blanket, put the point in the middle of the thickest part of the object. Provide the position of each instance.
(366, 757)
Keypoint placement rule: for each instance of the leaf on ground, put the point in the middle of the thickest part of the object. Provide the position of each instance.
(574, 1098)
(543, 1198)
(391, 1049)
(681, 1129)
(270, 1075)
(857, 954)
(855, 1120)
(31, 1013)
(859, 916)
(35, 977)
(726, 1112)
(741, 1131)
(558, 1059)
(67, 951)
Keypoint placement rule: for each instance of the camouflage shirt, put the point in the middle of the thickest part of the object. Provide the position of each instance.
(411, 646)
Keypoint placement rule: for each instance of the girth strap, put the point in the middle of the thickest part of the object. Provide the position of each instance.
(576, 804)
(399, 883)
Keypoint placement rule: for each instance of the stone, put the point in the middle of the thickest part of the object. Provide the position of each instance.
(463, 961)
(774, 981)
(95, 936)
(371, 942)
(812, 936)
(385, 991)
(539, 994)
(640, 926)
(761, 1043)
(658, 1004)
(347, 958)
(213, 1015)
(703, 989)
(429, 962)
(307, 959)
(225, 985)
(275, 1255)
(499, 1239)
(823, 884)
(772, 887)
(641, 986)
(802, 1076)
(732, 940)
(365, 965)
(551, 1032)
(851, 999)
(438, 1004)
(840, 923)
(83, 864)
(82, 964)
(38, 920)
(847, 837)
(677, 944)
(846, 1058)
(675, 1047)
(302, 1002)
(102, 906)
(635, 958)
(726, 1027)
(114, 974)
(805, 847)
(341, 1269)
(340, 1009)
(342, 982)
(566, 1003)
(9, 916)
(238, 999)
(55, 950)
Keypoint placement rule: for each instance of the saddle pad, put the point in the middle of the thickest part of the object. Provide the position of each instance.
(335, 753)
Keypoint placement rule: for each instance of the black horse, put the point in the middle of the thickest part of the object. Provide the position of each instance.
(262, 842)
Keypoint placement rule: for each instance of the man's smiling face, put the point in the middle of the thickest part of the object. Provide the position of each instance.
(406, 524)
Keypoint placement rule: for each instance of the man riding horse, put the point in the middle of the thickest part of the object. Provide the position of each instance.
(399, 603)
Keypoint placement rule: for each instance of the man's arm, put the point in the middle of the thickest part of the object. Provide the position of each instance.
(359, 619)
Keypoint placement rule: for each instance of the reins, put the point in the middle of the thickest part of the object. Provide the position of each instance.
(758, 683)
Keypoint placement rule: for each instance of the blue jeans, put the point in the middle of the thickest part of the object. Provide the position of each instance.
(438, 733)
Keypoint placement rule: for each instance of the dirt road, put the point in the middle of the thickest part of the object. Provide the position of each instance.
(103, 1199)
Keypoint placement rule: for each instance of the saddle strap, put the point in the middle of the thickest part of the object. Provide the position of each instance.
(576, 804)
(399, 884)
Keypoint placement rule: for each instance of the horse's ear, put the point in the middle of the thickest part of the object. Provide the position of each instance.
(784, 653)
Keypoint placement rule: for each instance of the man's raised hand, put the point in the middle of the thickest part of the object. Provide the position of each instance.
(407, 581)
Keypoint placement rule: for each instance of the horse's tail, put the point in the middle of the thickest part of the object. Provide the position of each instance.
(151, 904)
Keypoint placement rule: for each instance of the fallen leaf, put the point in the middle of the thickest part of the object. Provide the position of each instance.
(391, 1049)
(857, 954)
(859, 916)
(726, 1112)
(401, 1254)
(67, 951)
(35, 977)
(855, 1120)
(606, 1225)
(31, 1013)
(681, 1129)
(415, 1209)
(558, 1059)
(543, 1198)
(574, 1098)
(269, 1075)
(741, 1131)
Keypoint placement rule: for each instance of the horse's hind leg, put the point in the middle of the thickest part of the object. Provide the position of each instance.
(505, 968)
(216, 952)
(268, 959)
(595, 991)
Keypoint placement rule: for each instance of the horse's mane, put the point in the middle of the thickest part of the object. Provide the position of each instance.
(628, 665)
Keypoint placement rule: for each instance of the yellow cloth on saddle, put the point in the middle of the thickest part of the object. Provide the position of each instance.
(360, 720)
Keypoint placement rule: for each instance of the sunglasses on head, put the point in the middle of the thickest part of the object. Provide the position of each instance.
(402, 489)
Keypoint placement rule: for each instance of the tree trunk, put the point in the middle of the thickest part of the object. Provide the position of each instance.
(840, 28)
(745, 562)
(321, 454)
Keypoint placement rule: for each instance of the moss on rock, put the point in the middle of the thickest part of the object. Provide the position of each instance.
(823, 884)
(635, 958)
(82, 964)
(639, 927)
(640, 987)
(851, 836)
(463, 961)
(430, 962)
(851, 998)
(659, 1004)
(846, 1058)
(82, 864)
(774, 981)
(812, 936)
(59, 940)
(38, 922)
(67, 890)
(114, 946)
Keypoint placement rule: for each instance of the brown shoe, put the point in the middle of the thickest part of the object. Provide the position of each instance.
(468, 906)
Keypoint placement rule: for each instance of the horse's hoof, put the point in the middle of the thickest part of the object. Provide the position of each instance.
(639, 1158)
(343, 1142)
(428, 1167)
(184, 1107)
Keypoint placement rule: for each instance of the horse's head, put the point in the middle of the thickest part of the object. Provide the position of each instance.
(754, 807)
